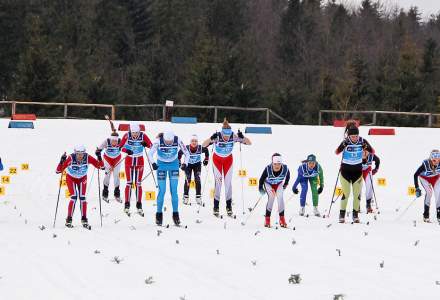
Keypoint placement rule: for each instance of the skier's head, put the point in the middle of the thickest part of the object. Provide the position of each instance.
(135, 130)
(194, 140)
(168, 137)
(277, 161)
(79, 151)
(353, 134)
(435, 156)
(311, 161)
(226, 129)
(114, 139)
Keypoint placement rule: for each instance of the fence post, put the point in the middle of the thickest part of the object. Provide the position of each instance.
(374, 117)
(430, 120)
(113, 112)
(13, 107)
(320, 118)
(164, 112)
(268, 116)
(65, 111)
(215, 114)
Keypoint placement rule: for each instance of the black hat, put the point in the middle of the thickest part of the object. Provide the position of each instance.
(353, 131)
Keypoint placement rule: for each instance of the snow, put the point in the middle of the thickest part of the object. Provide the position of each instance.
(214, 259)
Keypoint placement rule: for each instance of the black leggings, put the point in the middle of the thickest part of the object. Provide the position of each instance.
(196, 169)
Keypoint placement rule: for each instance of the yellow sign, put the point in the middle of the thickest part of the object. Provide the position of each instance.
(253, 181)
(242, 173)
(122, 175)
(150, 195)
(133, 186)
(25, 167)
(192, 184)
(64, 173)
(6, 180)
(212, 193)
(338, 191)
(12, 170)
(63, 182)
(411, 191)
(381, 181)
(67, 193)
(2, 190)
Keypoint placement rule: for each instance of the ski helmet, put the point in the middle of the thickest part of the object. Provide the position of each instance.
(168, 136)
(79, 149)
(435, 154)
(134, 127)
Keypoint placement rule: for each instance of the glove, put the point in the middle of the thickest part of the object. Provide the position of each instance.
(418, 192)
(240, 134)
(63, 158)
(98, 154)
(154, 166)
(205, 162)
(284, 186)
(214, 136)
(374, 171)
(183, 167)
(129, 152)
(261, 190)
(144, 144)
(320, 189)
(295, 191)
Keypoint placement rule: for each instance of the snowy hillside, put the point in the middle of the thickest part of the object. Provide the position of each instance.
(213, 258)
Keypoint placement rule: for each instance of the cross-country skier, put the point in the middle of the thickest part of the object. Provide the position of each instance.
(195, 151)
(309, 171)
(429, 174)
(367, 173)
(133, 143)
(222, 159)
(77, 165)
(351, 170)
(112, 163)
(167, 147)
(273, 182)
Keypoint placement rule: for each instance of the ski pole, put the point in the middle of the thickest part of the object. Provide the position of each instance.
(207, 172)
(145, 177)
(334, 192)
(151, 168)
(58, 199)
(252, 210)
(406, 209)
(119, 162)
(374, 193)
(99, 195)
(242, 183)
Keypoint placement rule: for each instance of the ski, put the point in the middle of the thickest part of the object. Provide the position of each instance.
(87, 226)
(140, 213)
(118, 200)
(127, 212)
(106, 200)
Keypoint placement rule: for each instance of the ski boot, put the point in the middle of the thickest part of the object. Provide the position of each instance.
(216, 208)
(117, 194)
(85, 222)
(199, 200)
(316, 211)
(69, 222)
(438, 215)
(127, 208)
(139, 208)
(426, 214)
(159, 218)
(186, 199)
(283, 222)
(229, 208)
(356, 216)
(267, 221)
(105, 193)
(369, 209)
(342, 216)
(302, 211)
(176, 218)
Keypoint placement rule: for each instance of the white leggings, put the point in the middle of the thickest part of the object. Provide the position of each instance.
(271, 195)
(429, 189)
(108, 173)
(368, 187)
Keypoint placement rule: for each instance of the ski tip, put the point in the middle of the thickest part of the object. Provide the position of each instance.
(167, 226)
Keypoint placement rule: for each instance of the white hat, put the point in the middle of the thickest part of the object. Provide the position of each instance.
(194, 137)
(114, 138)
(79, 149)
(168, 136)
(277, 159)
(134, 127)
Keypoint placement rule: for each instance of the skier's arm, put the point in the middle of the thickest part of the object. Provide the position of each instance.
(210, 140)
(206, 152)
(184, 151)
(419, 171)
(146, 141)
(123, 142)
(153, 150)
(299, 178)
(94, 162)
(103, 145)
(62, 166)
(341, 147)
(262, 179)
(179, 155)
(376, 162)
(321, 176)
(368, 147)
(242, 139)
(286, 181)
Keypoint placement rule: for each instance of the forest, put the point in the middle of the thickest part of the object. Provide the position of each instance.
(293, 56)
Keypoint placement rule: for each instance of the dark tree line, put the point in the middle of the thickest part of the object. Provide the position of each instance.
(294, 56)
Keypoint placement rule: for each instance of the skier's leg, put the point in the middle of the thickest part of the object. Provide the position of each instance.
(217, 168)
(346, 190)
(73, 195)
(280, 199)
(303, 195)
(174, 181)
(107, 174)
(271, 194)
(314, 189)
(161, 181)
(138, 178)
(197, 171)
(82, 197)
(129, 173)
(368, 189)
(227, 171)
(357, 188)
(428, 194)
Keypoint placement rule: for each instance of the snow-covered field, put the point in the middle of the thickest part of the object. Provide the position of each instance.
(213, 258)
